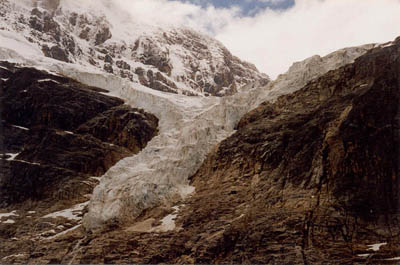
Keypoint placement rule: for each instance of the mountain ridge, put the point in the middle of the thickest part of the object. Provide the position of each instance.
(104, 37)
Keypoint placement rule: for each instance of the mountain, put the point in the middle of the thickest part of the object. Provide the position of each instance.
(310, 177)
(103, 168)
(99, 35)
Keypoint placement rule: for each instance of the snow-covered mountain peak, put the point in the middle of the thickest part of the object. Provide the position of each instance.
(99, 35)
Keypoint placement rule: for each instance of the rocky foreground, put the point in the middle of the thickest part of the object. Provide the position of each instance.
(312, 178)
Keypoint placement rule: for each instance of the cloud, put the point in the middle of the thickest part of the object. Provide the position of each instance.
(274, 39)
(207, 19)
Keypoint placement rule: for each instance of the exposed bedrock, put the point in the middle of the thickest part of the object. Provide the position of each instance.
(55, 129)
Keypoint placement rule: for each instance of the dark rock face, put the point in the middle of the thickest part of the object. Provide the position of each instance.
(103, 35)
(33, 98)
(44, 23)
(223, 80)
(55, 52)
(159, 82)
(155, 81)
(108, 59)
(108, 68)
(61, 131)
(123, 65)
(122, 126)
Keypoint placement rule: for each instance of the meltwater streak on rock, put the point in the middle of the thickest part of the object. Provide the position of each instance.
(189, 129)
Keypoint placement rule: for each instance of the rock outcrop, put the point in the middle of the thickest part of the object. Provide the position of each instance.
(57, 138)
(57, 129)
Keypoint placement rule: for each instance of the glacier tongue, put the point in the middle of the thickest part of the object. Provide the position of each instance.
(189, 128)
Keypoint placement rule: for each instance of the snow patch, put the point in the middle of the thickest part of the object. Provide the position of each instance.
(376, 247)
(47, 80)
(64, 232)
(14, 41)
(12, 156)
(168, 223)
(27, 162)
(20, 127)
(396, 258)
(14, 256)
(386, 44)
(13, 213)
(71, 213)
(48, 233)
(9, 221)
(186, 190)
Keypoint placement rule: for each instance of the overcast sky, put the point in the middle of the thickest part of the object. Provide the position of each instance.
(273, 34)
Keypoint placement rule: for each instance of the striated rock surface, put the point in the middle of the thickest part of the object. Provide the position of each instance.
(99, 35)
